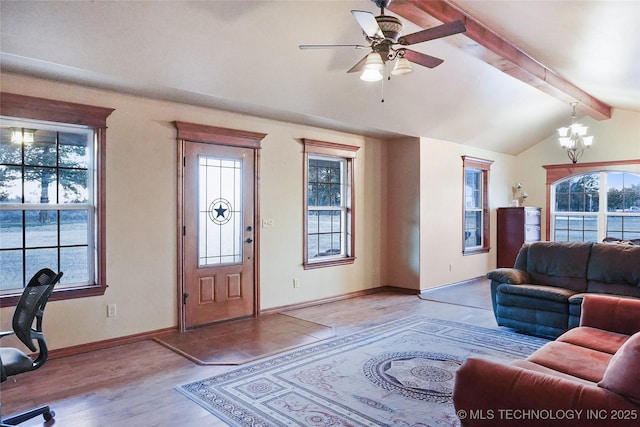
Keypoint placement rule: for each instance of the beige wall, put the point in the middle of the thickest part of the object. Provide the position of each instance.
(441, 259)
(408, 209)
(615, 139)
(403, 218)
(441, 221)
(425, 212)
(141, 215)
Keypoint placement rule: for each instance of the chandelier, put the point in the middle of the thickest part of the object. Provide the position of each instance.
(574, 138)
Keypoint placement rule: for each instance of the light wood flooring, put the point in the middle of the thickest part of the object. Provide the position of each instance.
(133, 385)
(245, 340)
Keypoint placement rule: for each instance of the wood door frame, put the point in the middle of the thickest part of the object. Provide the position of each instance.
(191, 132)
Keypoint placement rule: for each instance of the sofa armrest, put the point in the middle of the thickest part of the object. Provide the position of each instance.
(509, 275)
(611, 313)
(487, 393)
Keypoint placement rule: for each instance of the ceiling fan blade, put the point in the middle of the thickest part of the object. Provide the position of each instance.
(358, 66)
(444, 30)
(422, 59)
(368, 22)
(332, 46)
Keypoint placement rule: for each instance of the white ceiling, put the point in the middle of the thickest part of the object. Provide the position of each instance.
(243, 56)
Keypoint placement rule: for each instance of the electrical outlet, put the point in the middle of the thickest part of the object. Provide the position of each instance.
(112, 310)
(296, 283)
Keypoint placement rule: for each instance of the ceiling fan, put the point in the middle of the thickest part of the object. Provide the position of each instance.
(383, 35)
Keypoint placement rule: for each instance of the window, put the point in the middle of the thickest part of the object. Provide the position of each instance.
(51, 197)
(596, 205)
(329, 235)
(476, 205)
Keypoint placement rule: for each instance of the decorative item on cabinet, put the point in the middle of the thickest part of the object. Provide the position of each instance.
(519, 196)
(516, 225)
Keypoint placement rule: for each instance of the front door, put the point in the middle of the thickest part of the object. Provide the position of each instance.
(218, 233)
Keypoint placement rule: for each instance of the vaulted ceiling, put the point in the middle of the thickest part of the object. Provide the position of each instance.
(504, 85)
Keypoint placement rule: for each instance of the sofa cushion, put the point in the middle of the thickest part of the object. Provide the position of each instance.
(521, 258)
(611, 313)
(559, 264)
(614, 264)
(595, 339)
(622, 376)
(509, 275)
(534, 309)
(615, 289)
(530, 366)
(546, 298)
(571, 359)
(533, 322)
(613, 269)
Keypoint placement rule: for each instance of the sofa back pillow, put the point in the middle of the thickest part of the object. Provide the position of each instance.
(622, 376)
(562, 264)
(614, 269)
(521, 258)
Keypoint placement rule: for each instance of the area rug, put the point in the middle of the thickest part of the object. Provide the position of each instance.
(396, 374)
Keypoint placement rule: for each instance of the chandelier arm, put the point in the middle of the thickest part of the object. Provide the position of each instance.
(573, 140)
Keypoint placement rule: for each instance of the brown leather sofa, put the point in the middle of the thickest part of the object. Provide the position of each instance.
(542, 294)
(589, 376)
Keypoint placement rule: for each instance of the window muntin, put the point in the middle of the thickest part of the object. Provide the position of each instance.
(27, 109)
(326, 208)
(46, 202)
(473, 218)
(475, 205)
(596, 205)
(623, 206)
(329, 235)
(220, 211)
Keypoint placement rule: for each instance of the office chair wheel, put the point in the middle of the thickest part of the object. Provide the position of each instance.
(48, 416)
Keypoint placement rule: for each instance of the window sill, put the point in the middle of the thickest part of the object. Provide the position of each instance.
(329, 263)
(475, 251)
(11, 300)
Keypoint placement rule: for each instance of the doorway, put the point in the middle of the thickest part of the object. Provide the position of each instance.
(218, 250)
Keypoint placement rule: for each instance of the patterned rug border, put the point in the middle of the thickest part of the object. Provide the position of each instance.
(529, 342)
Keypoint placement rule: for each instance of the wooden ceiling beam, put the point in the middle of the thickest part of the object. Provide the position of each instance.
(500, 53)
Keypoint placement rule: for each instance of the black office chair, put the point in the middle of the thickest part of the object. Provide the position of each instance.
(13, 361)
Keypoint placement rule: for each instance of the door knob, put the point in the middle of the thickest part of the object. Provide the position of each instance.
(249, 240)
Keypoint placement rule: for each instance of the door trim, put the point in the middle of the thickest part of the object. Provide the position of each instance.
(219, 136)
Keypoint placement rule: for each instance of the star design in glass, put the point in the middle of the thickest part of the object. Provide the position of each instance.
(220, 211)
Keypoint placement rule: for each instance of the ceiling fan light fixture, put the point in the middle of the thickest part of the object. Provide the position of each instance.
(371, 75)
(402, 66)
(374, 62)
(373, 66)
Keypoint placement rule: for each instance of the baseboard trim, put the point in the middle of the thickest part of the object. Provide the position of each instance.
(113, 342)
(341, 297)
(464, 282)
(129, 339)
